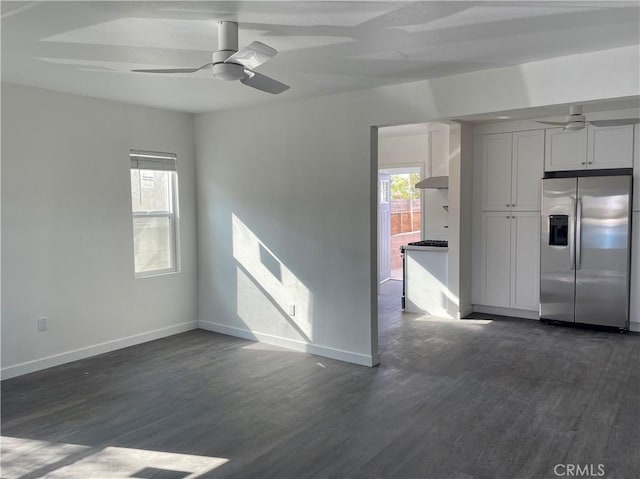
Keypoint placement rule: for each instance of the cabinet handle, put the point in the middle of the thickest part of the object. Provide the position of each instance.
(583, 163)
(508, 217)
(590, 162)
(507, 205)
(513, 204)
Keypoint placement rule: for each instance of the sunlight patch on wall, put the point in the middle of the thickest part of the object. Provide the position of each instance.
(53, 460)
(264, 282)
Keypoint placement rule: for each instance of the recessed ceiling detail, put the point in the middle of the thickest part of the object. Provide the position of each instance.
(89, 47)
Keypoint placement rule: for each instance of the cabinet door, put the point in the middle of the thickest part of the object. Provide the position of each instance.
(525, 261)
(565, 149)
(496, 172)
(610, 146)
(634, 313)
(495, 269)
(636, 169)
(527, 169)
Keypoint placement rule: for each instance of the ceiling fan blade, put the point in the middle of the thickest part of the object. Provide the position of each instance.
(253, 55)
(555, 123)
(618, 122)
(175, 70)
(263, 82)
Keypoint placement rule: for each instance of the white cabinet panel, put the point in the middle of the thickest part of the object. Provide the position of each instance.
(527, 170)
(495, 271)
(525, 261)
(426, 282)
(496, 171)
(610, 147)
(634, 312)
(565, 149)
(636, 169)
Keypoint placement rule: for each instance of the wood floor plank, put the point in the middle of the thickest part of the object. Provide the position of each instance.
(502, 398)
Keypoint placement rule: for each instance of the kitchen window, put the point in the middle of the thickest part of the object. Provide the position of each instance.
(154, 201)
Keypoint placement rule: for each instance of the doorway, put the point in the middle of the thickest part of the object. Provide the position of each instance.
(400, 216)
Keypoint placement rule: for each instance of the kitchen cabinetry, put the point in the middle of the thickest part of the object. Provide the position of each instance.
(426, 281)
(509, 260)
(525, 261)
(591, 147)
(512, 166)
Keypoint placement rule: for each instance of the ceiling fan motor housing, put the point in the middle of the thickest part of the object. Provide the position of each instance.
(227, 46)
(228, 71)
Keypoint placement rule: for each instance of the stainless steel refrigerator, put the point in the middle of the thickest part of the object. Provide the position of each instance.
(585, 249)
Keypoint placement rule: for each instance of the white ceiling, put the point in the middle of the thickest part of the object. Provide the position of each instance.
(88, 48)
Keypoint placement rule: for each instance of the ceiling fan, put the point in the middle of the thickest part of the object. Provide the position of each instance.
(230, 64)
(577, 121)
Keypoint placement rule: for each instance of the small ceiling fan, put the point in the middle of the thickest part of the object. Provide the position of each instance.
(577, 121)
(230, 64)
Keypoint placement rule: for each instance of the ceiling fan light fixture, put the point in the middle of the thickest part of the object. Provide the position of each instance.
(575, 125)
(228, 71)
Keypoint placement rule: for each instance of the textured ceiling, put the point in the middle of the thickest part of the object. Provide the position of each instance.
(88, 48)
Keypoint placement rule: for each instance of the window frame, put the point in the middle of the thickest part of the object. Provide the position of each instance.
(172, 214)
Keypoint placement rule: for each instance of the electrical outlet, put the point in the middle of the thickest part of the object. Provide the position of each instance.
(42, 325)
(292, 310)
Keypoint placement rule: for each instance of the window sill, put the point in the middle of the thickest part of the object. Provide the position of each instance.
(155, 274)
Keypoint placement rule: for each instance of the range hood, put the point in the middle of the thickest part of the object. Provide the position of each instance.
(435, 182)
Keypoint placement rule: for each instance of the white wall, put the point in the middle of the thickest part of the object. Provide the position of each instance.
(431, 152)
(406, 150)
(67, 250)
(297, 178)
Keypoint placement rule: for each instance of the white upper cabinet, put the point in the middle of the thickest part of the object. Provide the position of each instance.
(636, 169)
(592, 147)
(565, 149)
(610, 147)
(512, 167)
(526, 170)
(496, 171)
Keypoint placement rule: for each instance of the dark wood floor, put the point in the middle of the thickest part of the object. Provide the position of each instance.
(472, 399)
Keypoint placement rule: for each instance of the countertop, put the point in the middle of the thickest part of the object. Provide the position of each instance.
(438, 249)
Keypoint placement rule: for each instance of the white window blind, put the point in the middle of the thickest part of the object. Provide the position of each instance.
(149, 160)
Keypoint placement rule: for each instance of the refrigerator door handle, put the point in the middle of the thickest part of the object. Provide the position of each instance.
(572, 248)
(578, 240)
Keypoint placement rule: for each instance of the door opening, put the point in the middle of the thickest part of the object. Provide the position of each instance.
(400, 217)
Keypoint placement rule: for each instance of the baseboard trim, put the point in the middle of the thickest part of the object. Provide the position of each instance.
(296, 345)
(516, 313)
(100, 348)
(634, 326)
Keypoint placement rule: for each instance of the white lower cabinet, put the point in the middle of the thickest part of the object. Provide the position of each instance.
(525, 261)
(635, 273)
(509, 260)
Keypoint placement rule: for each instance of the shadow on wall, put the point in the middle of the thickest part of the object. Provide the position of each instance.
(261, 275)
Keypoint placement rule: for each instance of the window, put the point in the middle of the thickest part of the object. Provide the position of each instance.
(154, 198)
